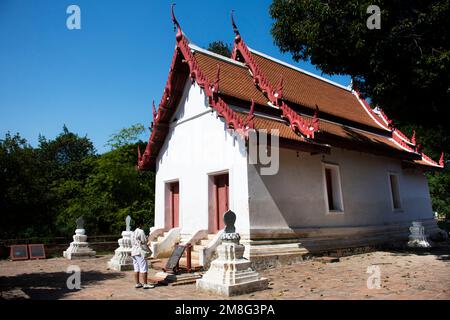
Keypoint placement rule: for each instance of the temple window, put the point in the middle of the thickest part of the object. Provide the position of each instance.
(333, 189)
(395, 191)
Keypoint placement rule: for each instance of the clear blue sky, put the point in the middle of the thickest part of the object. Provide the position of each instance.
(103, 77)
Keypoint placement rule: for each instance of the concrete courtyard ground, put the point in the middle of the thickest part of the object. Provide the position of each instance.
(404, 275)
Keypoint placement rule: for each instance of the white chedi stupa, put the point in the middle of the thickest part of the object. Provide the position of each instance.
(122, 261)
(231, 274)
(79, 248)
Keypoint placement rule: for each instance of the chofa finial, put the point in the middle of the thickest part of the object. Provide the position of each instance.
(154, 110)
(235, 29)
(252, 108)
(176, 25)
(441, 160)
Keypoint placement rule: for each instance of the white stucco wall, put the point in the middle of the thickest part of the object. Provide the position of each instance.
(295, 197)
(198, 145)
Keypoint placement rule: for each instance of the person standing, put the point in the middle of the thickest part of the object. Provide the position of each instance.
(139, 251)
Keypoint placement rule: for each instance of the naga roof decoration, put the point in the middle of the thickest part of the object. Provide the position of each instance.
(232, 120)
(237, 87)
(397, 136)
(297, 122)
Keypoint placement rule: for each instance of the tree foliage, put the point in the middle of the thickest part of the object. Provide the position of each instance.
(220, 47)
(43, 190)
(404, 66)
(126, 136)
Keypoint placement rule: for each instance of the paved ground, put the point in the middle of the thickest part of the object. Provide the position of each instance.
(404, 275)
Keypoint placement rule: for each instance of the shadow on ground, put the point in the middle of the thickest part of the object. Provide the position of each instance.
(441, 250)
(47, 285)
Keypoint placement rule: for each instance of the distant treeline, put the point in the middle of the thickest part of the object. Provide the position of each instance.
(44, 189)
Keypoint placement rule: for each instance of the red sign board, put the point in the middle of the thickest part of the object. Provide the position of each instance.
(37, 251)
(19, 252)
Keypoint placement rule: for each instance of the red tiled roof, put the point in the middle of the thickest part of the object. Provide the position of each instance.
(328, 130)
(342, 120)
(308, 91)
(235, 80)
(361, 137)
(275, 127)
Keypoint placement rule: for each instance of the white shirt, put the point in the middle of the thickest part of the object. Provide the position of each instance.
(139, 241)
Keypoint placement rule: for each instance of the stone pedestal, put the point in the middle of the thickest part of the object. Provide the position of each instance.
(79, 248)
(122, 260)
(230, 274)
(417, 238)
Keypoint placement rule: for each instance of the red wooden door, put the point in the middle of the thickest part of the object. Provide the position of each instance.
(221, 195)
(175, 205)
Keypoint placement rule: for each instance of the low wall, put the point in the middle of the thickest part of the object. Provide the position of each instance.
(54, 247)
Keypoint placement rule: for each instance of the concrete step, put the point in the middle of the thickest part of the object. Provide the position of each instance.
(159, 239)
(211, 236)
(194, 255)
(165, 233)
(194, 262)
(197, 247)
(204, 242)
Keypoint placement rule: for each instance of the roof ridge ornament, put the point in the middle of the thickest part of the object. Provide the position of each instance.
(215, 88)
(279, 93)
(297, 122)
(418, 148)
(251, 115)
(315, 120)
(154, 111)
(413, 138)
(176, 25)
(378, 117)
(235, 28)
(431, 161)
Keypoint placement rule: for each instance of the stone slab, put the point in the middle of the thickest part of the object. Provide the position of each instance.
(233, 290)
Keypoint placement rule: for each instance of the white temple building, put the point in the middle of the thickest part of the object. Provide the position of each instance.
(341, 176)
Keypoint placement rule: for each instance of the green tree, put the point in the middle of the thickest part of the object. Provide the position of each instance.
(112, 190)
(404, 66)
(22, 198)
(126, 136)
(43, 190)
(434, 140)
(220, 48)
